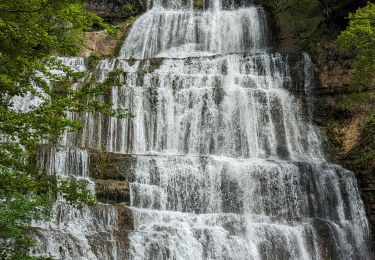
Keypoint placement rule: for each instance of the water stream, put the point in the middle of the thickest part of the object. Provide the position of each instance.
(228, 164)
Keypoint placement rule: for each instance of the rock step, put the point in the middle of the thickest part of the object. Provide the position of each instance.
(111, 166)
(112, 191)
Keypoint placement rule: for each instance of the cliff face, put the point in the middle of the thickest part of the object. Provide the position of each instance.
(342, 114)
(121, 13)
(334, 66)
(300, 25)
(103, 44)
(116, 11)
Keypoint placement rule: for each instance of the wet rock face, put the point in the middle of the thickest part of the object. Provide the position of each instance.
(112, 191)
(113, 11)
(302, 72)
(111, 166)
(91, 232)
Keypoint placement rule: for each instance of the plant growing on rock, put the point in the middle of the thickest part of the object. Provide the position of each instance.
(128, 9)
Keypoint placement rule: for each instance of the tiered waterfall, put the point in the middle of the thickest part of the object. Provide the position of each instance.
(221, 160)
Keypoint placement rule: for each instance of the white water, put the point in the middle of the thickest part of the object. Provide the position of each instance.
(225, 208)
(187, 33)
(228, 164)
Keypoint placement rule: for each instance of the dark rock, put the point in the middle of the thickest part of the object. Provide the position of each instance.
(115, 166)
(112, 191)
(335, 67)
(112, 10)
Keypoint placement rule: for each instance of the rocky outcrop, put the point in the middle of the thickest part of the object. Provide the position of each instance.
(122, 13)
(112, 191)
(335, 67)
(99, 42)
(117, 11)
(290, 24)
(103, 44)
(111, 166)
(343, 127)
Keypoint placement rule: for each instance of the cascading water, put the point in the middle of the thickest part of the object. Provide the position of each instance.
(185, 32)
(227, 166)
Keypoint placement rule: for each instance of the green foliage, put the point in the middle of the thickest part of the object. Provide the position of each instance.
(20, 204)
(93, 60)
(198, 4)
(128, 9)
(369, 128)
(357, 102)
(362, 156)
(30, 31)
(360, 37)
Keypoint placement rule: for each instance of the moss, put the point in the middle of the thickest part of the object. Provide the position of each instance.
(147, 66)
(150, 65)
(108, 165)
(101, 165)
(127, 9)
(131, 61)
(198, 4)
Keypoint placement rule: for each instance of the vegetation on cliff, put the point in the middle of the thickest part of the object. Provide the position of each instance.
(359, 36)
(359, 99)
(314, 22)
(308, 22)
(303, 20)
(30, 31)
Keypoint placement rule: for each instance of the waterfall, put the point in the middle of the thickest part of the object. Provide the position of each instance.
(185, 33)
(220, 159)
